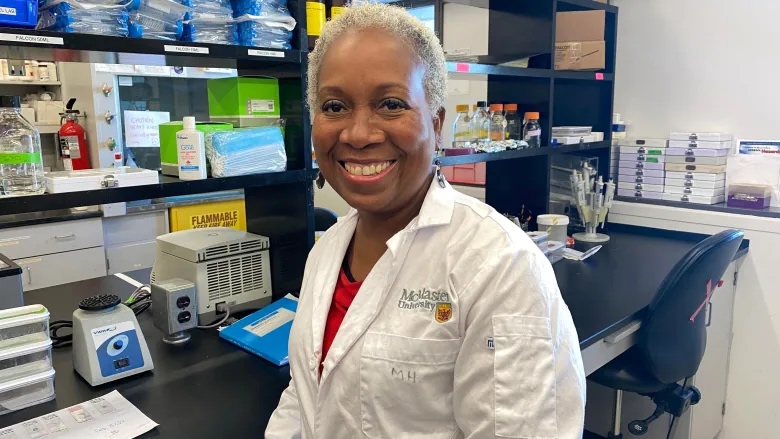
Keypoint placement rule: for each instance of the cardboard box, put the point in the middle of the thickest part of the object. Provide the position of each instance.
(244, 101)
(580, 55)
(580, 26)
(168, 155)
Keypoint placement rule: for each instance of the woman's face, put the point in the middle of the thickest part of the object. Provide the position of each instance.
(373, 132)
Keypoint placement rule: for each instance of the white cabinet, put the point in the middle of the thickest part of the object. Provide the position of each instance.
(702, 421)
(61, 268)
(131, 240)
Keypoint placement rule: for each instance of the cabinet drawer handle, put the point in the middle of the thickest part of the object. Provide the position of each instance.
(72, 235)
(709, 314)
(29, 276)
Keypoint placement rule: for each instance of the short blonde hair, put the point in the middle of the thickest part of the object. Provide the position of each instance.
(398, 22)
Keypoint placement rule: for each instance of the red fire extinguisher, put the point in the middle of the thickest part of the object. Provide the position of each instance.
(73, 140)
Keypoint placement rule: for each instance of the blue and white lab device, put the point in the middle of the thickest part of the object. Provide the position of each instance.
(107, 342)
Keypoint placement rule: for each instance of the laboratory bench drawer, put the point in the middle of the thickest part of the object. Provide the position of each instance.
(129, 257)
(134, 228)
(44, 239)
(62, 268)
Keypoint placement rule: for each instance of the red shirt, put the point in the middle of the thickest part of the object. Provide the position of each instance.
(346, 290)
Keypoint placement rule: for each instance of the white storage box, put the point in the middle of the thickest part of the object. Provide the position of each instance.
(697, 176)
(641, 172)
(697, 152)
(90, 179)
(642, 150)
(703, 184)
(701, 144)
(641, 158)
(25, 360)
(697, 160)
(571, 131)
(23, 325)
(25, 392)
(48, 111)
(707, 137)
(644, 187)
(698, 192)
(694, 199)
(647, 143)
(640, 194)
(637, 179)
(574, 140)
(711, 169)
(554, 251)
(640, 165)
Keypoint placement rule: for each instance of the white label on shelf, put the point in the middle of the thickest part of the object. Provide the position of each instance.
(270, 53)
(4, 10)
(35, 39)
(115, 68)
(260, 106)
(125, 81)
(186, 49)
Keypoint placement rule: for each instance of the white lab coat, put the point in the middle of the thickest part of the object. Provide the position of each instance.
(459, 331)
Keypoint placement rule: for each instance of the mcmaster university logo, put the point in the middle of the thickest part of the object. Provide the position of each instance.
(428, 300)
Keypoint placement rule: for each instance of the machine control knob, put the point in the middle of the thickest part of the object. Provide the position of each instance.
(118, 344)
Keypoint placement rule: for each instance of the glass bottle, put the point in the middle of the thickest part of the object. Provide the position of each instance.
(532, 132)
(21, 161)
(497, 122)
(513, 125)
(461, 129)
(480, 124)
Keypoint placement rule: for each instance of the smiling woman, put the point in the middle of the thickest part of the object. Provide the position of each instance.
(406, 327)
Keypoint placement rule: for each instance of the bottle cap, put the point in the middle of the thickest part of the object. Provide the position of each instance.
(189, 123)
(532, 115)
(461, 108)
(482, 104)
(496, 107)
(10, 102)
(510, 107)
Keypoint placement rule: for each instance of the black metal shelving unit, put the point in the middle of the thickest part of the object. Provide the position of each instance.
(519, 29)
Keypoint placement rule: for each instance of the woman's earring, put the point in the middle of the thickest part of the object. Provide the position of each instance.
(320, 180)
(439, 175)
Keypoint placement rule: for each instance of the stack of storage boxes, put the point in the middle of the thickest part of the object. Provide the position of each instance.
(641, 168)
(26, 372)
(696, 167)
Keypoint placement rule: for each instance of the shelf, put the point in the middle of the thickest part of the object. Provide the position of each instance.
(769, 212)
(486, 69)
(520, 153)
(47, 128)
(585, 5)
(584, 76)
(30, 83)
(208, 53)
(168, 187)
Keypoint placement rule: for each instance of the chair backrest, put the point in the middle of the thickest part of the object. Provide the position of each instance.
(324, 219)
(674, 334)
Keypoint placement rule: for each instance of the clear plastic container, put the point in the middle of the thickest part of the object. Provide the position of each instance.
(554, 225)
(25, 360)
(25, 392)
(571, 131)
(497, 122)
(480, 123)
(21, 160)
(540, 239)
(554, 251)
(23, 325)
(461, 131)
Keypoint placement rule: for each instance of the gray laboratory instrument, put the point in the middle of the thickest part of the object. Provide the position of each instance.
(11, 294)
(107, 342)
(174, 309)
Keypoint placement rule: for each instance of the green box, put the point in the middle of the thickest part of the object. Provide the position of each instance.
(244, 101)
(168, 130)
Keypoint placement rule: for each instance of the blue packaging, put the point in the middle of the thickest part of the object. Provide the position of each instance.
(18, 13)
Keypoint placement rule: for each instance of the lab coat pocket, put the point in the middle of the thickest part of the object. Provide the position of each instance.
(524, 369)
(406, 387)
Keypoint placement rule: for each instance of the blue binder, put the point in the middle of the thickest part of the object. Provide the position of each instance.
(265, 332)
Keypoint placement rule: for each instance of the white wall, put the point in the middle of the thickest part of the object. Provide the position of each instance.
(698, 65)
(701, 65)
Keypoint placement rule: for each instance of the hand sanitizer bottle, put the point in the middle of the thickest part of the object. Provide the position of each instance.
(191, 148)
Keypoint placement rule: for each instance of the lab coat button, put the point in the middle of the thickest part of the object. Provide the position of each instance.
(312, 364)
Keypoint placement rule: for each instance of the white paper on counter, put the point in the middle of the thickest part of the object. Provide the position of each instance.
(110, 416)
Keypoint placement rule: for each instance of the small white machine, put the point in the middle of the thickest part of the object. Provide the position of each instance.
(107, 342)
(231, 269)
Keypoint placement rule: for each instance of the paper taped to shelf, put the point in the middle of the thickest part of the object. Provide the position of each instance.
(755, 169)
(142, 128)
(110, 416)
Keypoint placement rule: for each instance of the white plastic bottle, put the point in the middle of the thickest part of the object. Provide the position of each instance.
(191, 149)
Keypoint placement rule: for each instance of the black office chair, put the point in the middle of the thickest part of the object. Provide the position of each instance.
(671, 341)
(323, 219)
